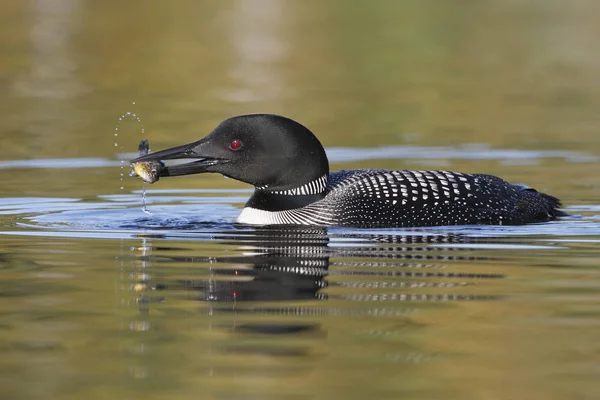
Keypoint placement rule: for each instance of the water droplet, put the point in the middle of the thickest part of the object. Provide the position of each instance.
(126, 115)
(144, 207)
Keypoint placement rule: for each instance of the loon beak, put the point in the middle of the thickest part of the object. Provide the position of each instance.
(187, 151)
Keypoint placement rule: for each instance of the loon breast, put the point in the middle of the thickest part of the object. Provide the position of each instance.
(382, 198)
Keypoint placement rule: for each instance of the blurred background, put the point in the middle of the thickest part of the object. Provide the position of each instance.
(510, 74)
(99, 300)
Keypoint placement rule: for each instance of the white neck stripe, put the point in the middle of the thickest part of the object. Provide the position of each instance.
(313, 187)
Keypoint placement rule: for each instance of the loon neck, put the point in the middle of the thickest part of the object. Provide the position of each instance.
(315, 186)
(279, 199)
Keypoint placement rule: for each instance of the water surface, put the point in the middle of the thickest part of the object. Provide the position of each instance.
(101, 300)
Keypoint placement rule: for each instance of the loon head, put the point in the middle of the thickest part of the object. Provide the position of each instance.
(271, 152)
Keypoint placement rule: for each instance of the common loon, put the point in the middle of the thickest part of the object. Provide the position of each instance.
(289, 170)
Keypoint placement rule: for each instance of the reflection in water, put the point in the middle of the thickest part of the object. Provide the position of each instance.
(297, 264)
(288, 284)
(276, 266)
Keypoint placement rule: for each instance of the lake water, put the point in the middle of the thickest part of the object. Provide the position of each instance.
(101, 300)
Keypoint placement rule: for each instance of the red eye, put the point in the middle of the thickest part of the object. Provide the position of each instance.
(235, 144)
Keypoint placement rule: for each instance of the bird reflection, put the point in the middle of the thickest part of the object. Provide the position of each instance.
(291, 264)
(297, 277)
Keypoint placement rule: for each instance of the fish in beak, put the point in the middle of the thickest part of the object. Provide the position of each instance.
(148, 162)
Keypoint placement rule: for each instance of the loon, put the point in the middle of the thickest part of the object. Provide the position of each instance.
(289, 170)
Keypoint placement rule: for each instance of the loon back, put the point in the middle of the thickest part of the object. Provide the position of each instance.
(289, 169)
(382, 198)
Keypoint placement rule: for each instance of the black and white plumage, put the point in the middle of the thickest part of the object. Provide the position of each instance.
(290, 172)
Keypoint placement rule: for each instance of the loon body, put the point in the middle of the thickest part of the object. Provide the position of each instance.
(289, 169)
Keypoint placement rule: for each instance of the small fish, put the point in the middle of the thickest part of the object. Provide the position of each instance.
(149, 171)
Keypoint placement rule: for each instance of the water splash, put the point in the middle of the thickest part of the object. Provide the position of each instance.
(144, 198)
(130, 115)
(122, 163)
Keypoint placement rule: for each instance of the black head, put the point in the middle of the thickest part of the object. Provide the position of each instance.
(267, 151)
